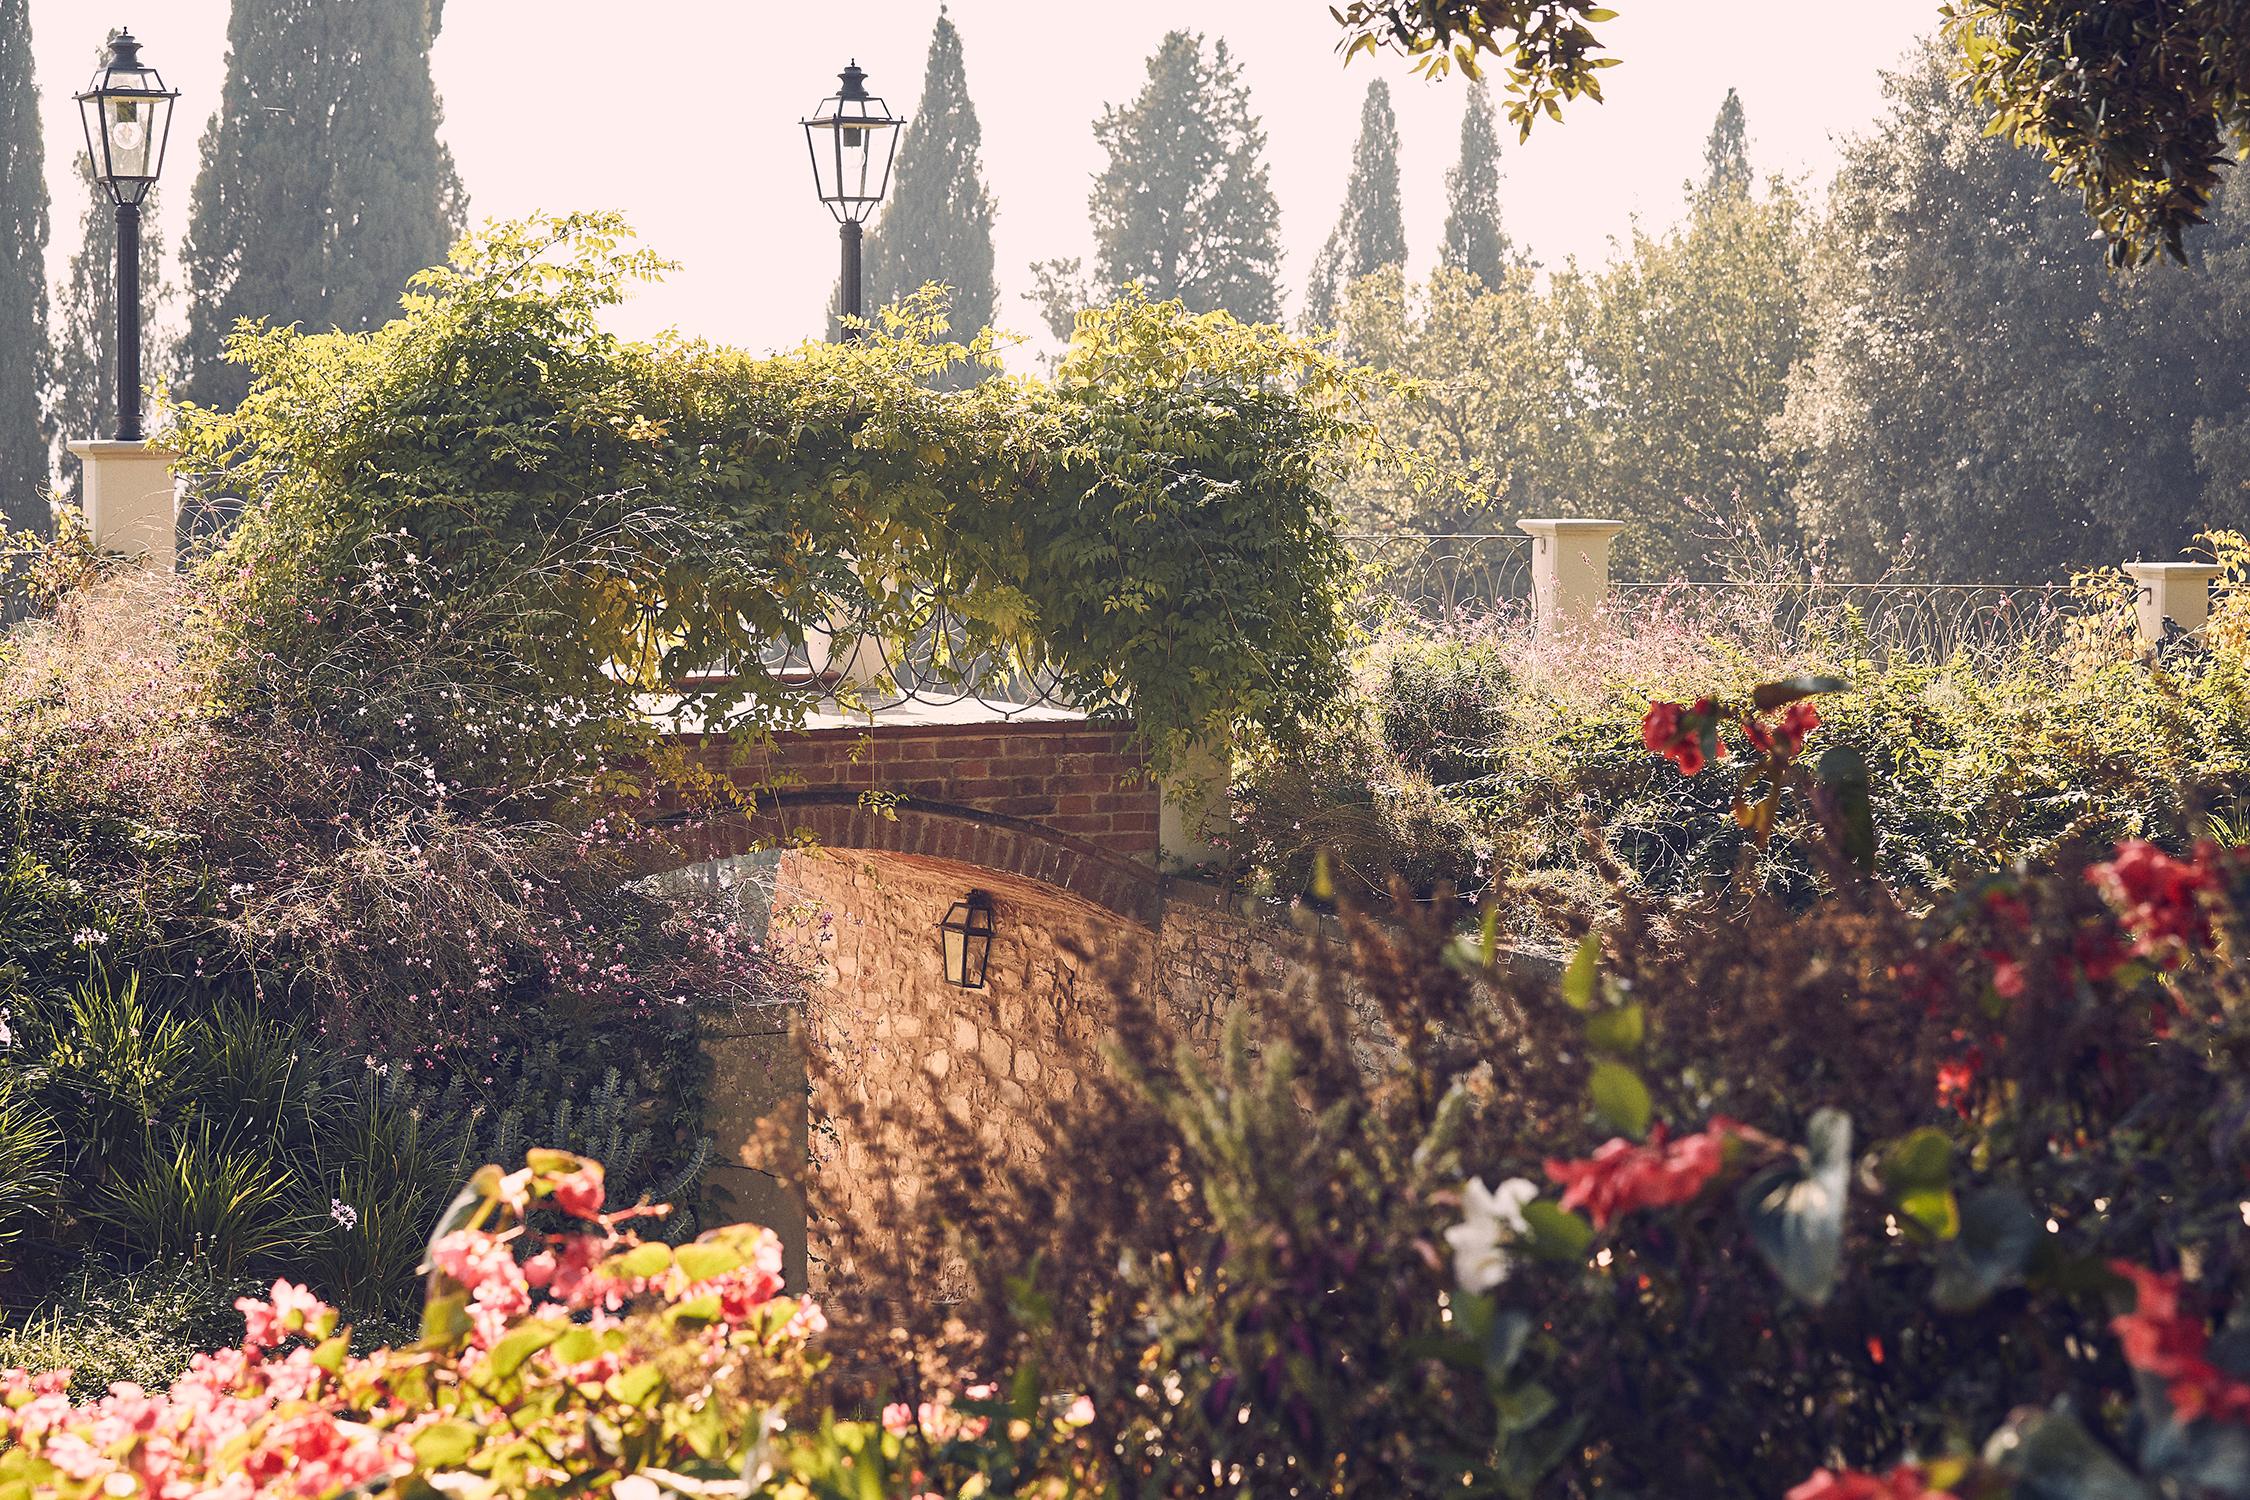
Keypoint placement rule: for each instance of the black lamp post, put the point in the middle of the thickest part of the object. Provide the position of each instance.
(852, 140)
(127, 112)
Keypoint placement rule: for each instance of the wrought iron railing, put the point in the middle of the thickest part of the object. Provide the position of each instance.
(1453, 580)
(925, 657)
(1926, 620)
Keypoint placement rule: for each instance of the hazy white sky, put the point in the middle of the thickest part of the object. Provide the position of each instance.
(559, 104)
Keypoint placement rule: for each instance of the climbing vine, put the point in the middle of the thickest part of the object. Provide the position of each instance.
(495, 523)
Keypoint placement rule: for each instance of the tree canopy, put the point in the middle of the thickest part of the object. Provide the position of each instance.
(1370, 230)
(1979, 398)
(1474, 239)
(24, 476)
(2136, 103)
(1183, 207)
(324, 185)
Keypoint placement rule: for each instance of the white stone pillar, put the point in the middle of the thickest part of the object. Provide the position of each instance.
(1194, 806)
(1569, 570)
(131, 500)
(2178, 591)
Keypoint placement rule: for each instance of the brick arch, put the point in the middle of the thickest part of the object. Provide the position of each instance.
(928, 830)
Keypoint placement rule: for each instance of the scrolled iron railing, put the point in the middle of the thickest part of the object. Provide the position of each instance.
(1931, 621)
(1452, 580)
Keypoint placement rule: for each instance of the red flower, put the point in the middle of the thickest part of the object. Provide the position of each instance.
(1958, 1078)
(2161, 1342)
(1903, 1483)
(2099, 951)
(1789, 735)
(1677, 733)
(1660, 727)
(2158, 897)
(580, 1194)
(1797, 726)
(1622, 1176)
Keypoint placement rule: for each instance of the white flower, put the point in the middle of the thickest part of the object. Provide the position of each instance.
(635, 1487)
(1494, 1220)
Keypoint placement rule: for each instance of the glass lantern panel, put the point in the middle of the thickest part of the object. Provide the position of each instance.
(129, 127)
(956, 957)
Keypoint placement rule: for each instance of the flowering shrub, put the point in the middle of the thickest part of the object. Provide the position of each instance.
(1974, 755)
(1865, 1195)
(264, 993)
(551, 1363)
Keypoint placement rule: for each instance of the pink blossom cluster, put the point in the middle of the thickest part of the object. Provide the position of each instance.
(291, 1412)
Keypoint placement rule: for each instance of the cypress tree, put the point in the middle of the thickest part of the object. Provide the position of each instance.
(1726, 154)
(938, 223)
(1474, 241)
(24, 352)
(85, 395)
(324, 185)
(1370, 232)
(1184, 207)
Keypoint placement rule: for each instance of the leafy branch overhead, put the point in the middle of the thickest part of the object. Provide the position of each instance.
(603, 520)
(2137, 103)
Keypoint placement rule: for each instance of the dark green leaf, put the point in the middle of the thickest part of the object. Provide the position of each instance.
(1998, 1233)
(1796, 1210)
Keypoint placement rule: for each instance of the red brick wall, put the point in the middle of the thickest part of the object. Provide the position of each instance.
(1078, 779)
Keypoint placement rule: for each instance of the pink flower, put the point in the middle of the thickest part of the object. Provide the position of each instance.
(1623, 1176)
(2160, 1341)
(2158, 897)
(1903, 1483)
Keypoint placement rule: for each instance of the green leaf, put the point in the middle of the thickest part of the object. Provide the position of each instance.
(1618, 1030)
(1770, 695)
(1524, 1408)
(1919, 1159)
(1916, 1171)
(1578, 979)
(525, 1340)
(445, 1444)
(445, 1319)
(704, 1260)
(636, 1384)
(1796, 1210)
(1620, 1098)
(651, 1259)
(2054, 1458)
(1557, 1234)
(1998, 1233)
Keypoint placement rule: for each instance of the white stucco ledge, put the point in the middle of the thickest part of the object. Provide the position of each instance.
(2176, 591)
(131, 499)
(1569, 569)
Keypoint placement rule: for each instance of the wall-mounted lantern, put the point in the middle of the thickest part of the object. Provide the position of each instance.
(967, 935)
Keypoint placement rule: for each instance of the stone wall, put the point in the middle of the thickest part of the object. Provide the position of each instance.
(890, 1034)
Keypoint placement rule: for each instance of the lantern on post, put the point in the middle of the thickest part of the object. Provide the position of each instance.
(966, 934)
(852, 139)
(127, 113)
